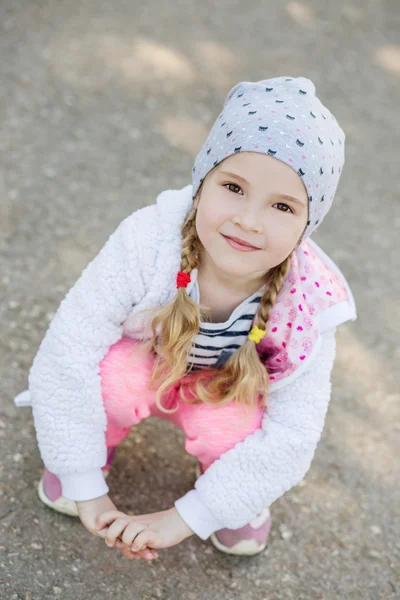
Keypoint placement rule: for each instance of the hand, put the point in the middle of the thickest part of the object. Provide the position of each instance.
(89, 510)
(143, 532)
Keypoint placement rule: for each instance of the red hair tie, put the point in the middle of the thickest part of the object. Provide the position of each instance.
(182, 279)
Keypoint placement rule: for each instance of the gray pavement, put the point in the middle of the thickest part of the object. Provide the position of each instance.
(102, 106)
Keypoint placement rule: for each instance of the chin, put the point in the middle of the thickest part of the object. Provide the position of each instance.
(235, 269)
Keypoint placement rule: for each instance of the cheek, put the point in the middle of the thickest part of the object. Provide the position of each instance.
(209, 221)
(202, 229)
(283, 230)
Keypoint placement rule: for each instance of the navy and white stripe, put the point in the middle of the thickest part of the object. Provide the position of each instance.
(215, 342)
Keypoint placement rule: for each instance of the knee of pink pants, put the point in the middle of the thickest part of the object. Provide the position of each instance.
(125, 374)
(211, 431)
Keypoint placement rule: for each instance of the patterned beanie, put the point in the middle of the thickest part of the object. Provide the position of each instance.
(283, 118)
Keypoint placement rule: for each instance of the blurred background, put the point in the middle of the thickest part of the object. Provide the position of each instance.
(104, 105)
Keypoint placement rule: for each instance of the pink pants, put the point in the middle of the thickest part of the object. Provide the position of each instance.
(210, 431)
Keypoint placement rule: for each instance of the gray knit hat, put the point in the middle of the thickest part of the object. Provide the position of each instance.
(281, 117)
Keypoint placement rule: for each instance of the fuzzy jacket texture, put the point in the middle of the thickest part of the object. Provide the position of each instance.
(136, 269)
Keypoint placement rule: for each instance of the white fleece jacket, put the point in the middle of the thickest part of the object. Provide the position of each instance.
(136, 269)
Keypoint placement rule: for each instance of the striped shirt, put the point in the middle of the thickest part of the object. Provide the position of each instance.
(215, 342)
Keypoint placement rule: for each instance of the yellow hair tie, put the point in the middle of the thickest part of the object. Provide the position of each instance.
(256, 334)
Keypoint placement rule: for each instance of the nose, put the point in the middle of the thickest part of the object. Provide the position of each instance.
(249, 220)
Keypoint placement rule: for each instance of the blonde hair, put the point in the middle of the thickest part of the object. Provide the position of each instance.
(243, 377)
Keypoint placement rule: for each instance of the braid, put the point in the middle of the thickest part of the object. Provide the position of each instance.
(190, 242)
(177, 321)
(271, 293)
(243, 377)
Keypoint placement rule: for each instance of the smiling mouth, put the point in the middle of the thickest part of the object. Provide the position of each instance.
(238, 245)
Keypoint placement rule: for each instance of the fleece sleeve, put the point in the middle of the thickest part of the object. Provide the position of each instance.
(64, 379)
(269, 462)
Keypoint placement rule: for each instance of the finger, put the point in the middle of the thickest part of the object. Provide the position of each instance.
(115, 530)
(150, 551)
(107, 518)
(147, 554)
(131, 531)
(126, 552)
(146, 538)
(102, 533)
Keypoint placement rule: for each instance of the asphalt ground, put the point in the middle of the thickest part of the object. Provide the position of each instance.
(102, 106)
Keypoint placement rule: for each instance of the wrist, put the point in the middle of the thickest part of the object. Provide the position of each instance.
(91, 501)
(184, 527)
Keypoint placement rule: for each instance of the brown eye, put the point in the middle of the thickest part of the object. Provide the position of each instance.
(282, 204)
(232, 185)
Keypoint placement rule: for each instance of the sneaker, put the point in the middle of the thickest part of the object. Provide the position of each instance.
(249, 540)
(49, 490)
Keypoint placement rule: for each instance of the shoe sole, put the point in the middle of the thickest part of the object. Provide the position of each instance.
(61, 505)
(243, 548)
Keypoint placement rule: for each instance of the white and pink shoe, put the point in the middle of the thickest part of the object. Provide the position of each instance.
(248, 540)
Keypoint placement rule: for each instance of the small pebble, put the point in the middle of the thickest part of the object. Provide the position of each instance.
(36, 546)
(286, 534)
(296, 500)
(35, 311)
(376, 530)
(135, 133)
(49, 172)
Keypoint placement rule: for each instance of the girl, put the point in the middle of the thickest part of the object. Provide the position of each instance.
(213, 309)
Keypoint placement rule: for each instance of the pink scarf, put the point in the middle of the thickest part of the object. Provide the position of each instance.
(314, 297)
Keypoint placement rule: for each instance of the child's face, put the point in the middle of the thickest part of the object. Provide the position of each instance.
(254, 211)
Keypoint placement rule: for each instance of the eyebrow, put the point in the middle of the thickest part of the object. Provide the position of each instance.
(245, 181)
